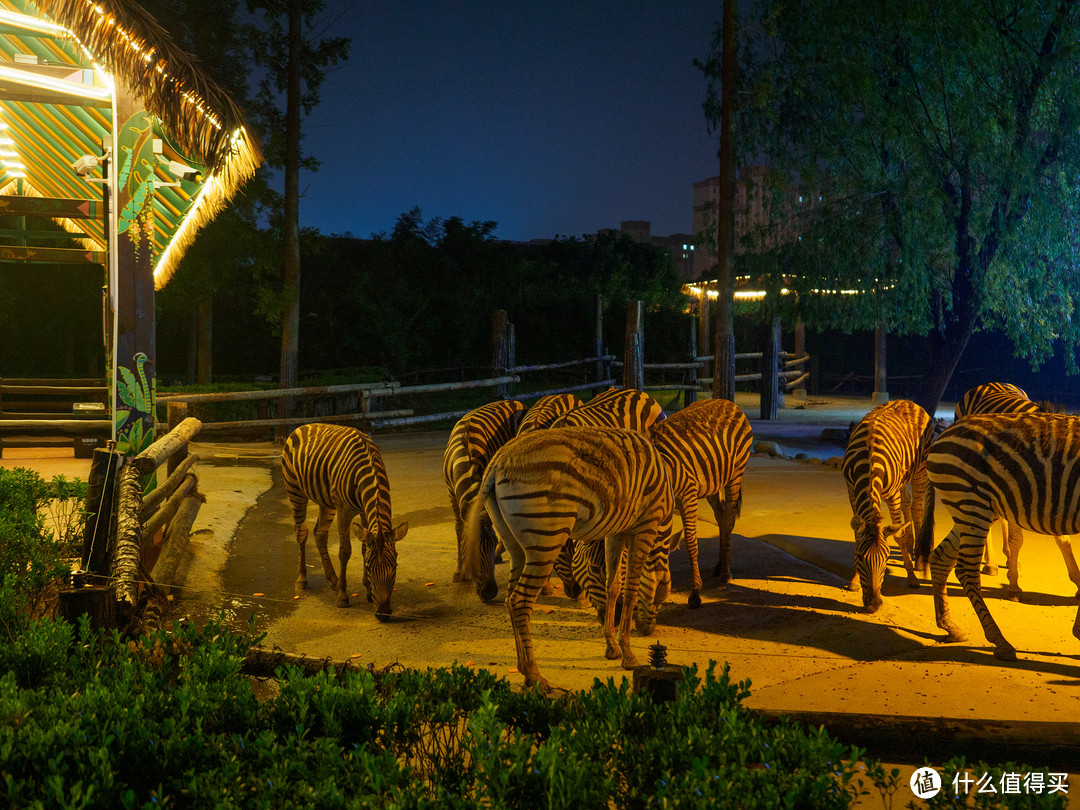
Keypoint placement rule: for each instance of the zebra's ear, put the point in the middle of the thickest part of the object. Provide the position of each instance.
(400, 531)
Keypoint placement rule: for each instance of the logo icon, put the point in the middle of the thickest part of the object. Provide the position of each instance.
(926, 783)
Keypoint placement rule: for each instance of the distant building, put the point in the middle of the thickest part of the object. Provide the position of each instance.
(680, 245)
(755, 210)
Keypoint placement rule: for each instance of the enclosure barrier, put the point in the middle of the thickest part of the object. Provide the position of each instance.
(51, 412)
(132, 544)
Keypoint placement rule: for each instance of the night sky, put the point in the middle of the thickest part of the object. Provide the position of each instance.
(550, 118)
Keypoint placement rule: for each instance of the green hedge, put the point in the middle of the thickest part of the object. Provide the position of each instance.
(92, 720)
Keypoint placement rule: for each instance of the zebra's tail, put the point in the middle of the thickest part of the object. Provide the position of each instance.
(924, 543)
(472, 562)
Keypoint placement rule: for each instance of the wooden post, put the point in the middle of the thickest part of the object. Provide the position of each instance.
(800, 349)
(177, 413)
(511, 349)
(101, 488)
(770, 365)
(703, 328)
(881, 385)
(690, 394)
(634, 350)
(499, 349)
(601, 365)
(136, 347)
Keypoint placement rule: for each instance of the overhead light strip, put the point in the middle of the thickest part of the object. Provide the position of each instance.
(28, 79)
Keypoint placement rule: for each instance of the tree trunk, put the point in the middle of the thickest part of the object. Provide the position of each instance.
(946, 350)
(724, 367)
(204, 352)
(290, 327)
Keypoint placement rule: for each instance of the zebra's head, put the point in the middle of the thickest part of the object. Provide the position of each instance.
(380, 568)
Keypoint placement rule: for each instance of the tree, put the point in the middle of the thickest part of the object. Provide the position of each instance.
(295, 61)
(937, 146)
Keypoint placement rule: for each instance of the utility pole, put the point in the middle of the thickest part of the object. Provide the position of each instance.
(724, 367)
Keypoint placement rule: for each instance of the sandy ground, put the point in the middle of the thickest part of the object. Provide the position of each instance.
(786, 622)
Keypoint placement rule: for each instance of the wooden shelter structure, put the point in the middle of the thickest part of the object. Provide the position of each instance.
(109, 131)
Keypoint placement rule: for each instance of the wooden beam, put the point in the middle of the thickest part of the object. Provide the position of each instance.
(19, 205)
(50, 255)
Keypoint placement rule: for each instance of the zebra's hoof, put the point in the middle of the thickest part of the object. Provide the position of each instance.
(913, 583)
(301, 584)
(1005, 652)
(343, 601)
(383, 617)
(694, 602)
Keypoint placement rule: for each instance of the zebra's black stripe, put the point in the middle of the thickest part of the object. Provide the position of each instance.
(341, 470)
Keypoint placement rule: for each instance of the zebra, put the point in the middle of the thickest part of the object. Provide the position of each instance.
(885, 452)
(1022, 467)
(1007, 398)
(341, 470)
(590, 484)
(615, 408)
(475, 438)
(706, 447)
(546, 410)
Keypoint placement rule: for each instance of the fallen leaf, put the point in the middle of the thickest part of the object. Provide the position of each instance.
(297, 596)
(428, 584)
(468, 663)
(513, 671)
(257, 593)
(355, 655)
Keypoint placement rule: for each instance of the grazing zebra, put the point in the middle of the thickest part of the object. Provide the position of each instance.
(885, 452)
(474, 440)
(706, 446)
(1022, 467)
(613, 408)
(341, 470)
(546, 410)
(1007, 398)
(617, 408)
(590, 484)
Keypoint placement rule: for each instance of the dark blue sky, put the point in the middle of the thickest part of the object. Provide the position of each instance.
(547, 117)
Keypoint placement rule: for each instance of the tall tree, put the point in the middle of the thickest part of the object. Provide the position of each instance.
(940, 144)
(287, 45)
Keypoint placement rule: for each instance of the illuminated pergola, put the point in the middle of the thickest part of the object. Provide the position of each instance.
(108, 130)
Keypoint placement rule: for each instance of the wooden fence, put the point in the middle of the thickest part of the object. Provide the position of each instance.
(132, 544)
(371, 405)
(63, 412)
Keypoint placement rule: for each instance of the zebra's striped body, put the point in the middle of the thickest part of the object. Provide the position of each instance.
(613, 408)
(476, 437)
(1022, 467)
(1007, 398)
(591, 484)
(617, 408)
(994, 397)
(885, 453)
(706, 446)
(341, 470)
(546, 410)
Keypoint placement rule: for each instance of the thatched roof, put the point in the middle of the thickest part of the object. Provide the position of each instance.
(199, 118)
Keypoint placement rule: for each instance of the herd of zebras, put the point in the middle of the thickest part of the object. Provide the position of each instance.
(588, 491)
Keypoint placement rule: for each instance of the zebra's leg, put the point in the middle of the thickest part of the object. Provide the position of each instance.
(689, 511)
(486, 586)
(1064, 544)
(300, 516)
(590, 573)
(535, 570)
(942, 562)
(967, 571)
(1012, 541)
(917, 506)
(638, 546)
(345, 522)
(614, 547)
(725, 513)
(459, 532)
(903, 534)
(654, 588)
(322, 530)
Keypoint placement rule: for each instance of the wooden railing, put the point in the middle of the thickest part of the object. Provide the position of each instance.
(68, 412)
(125, 581)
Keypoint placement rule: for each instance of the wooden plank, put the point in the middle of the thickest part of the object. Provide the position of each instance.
(67, 208)
(56, 427)
(50, 255)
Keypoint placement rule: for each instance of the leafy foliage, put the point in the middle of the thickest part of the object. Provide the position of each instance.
(937, 145)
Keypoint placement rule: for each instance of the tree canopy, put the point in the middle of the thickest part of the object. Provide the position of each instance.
(937, 148)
